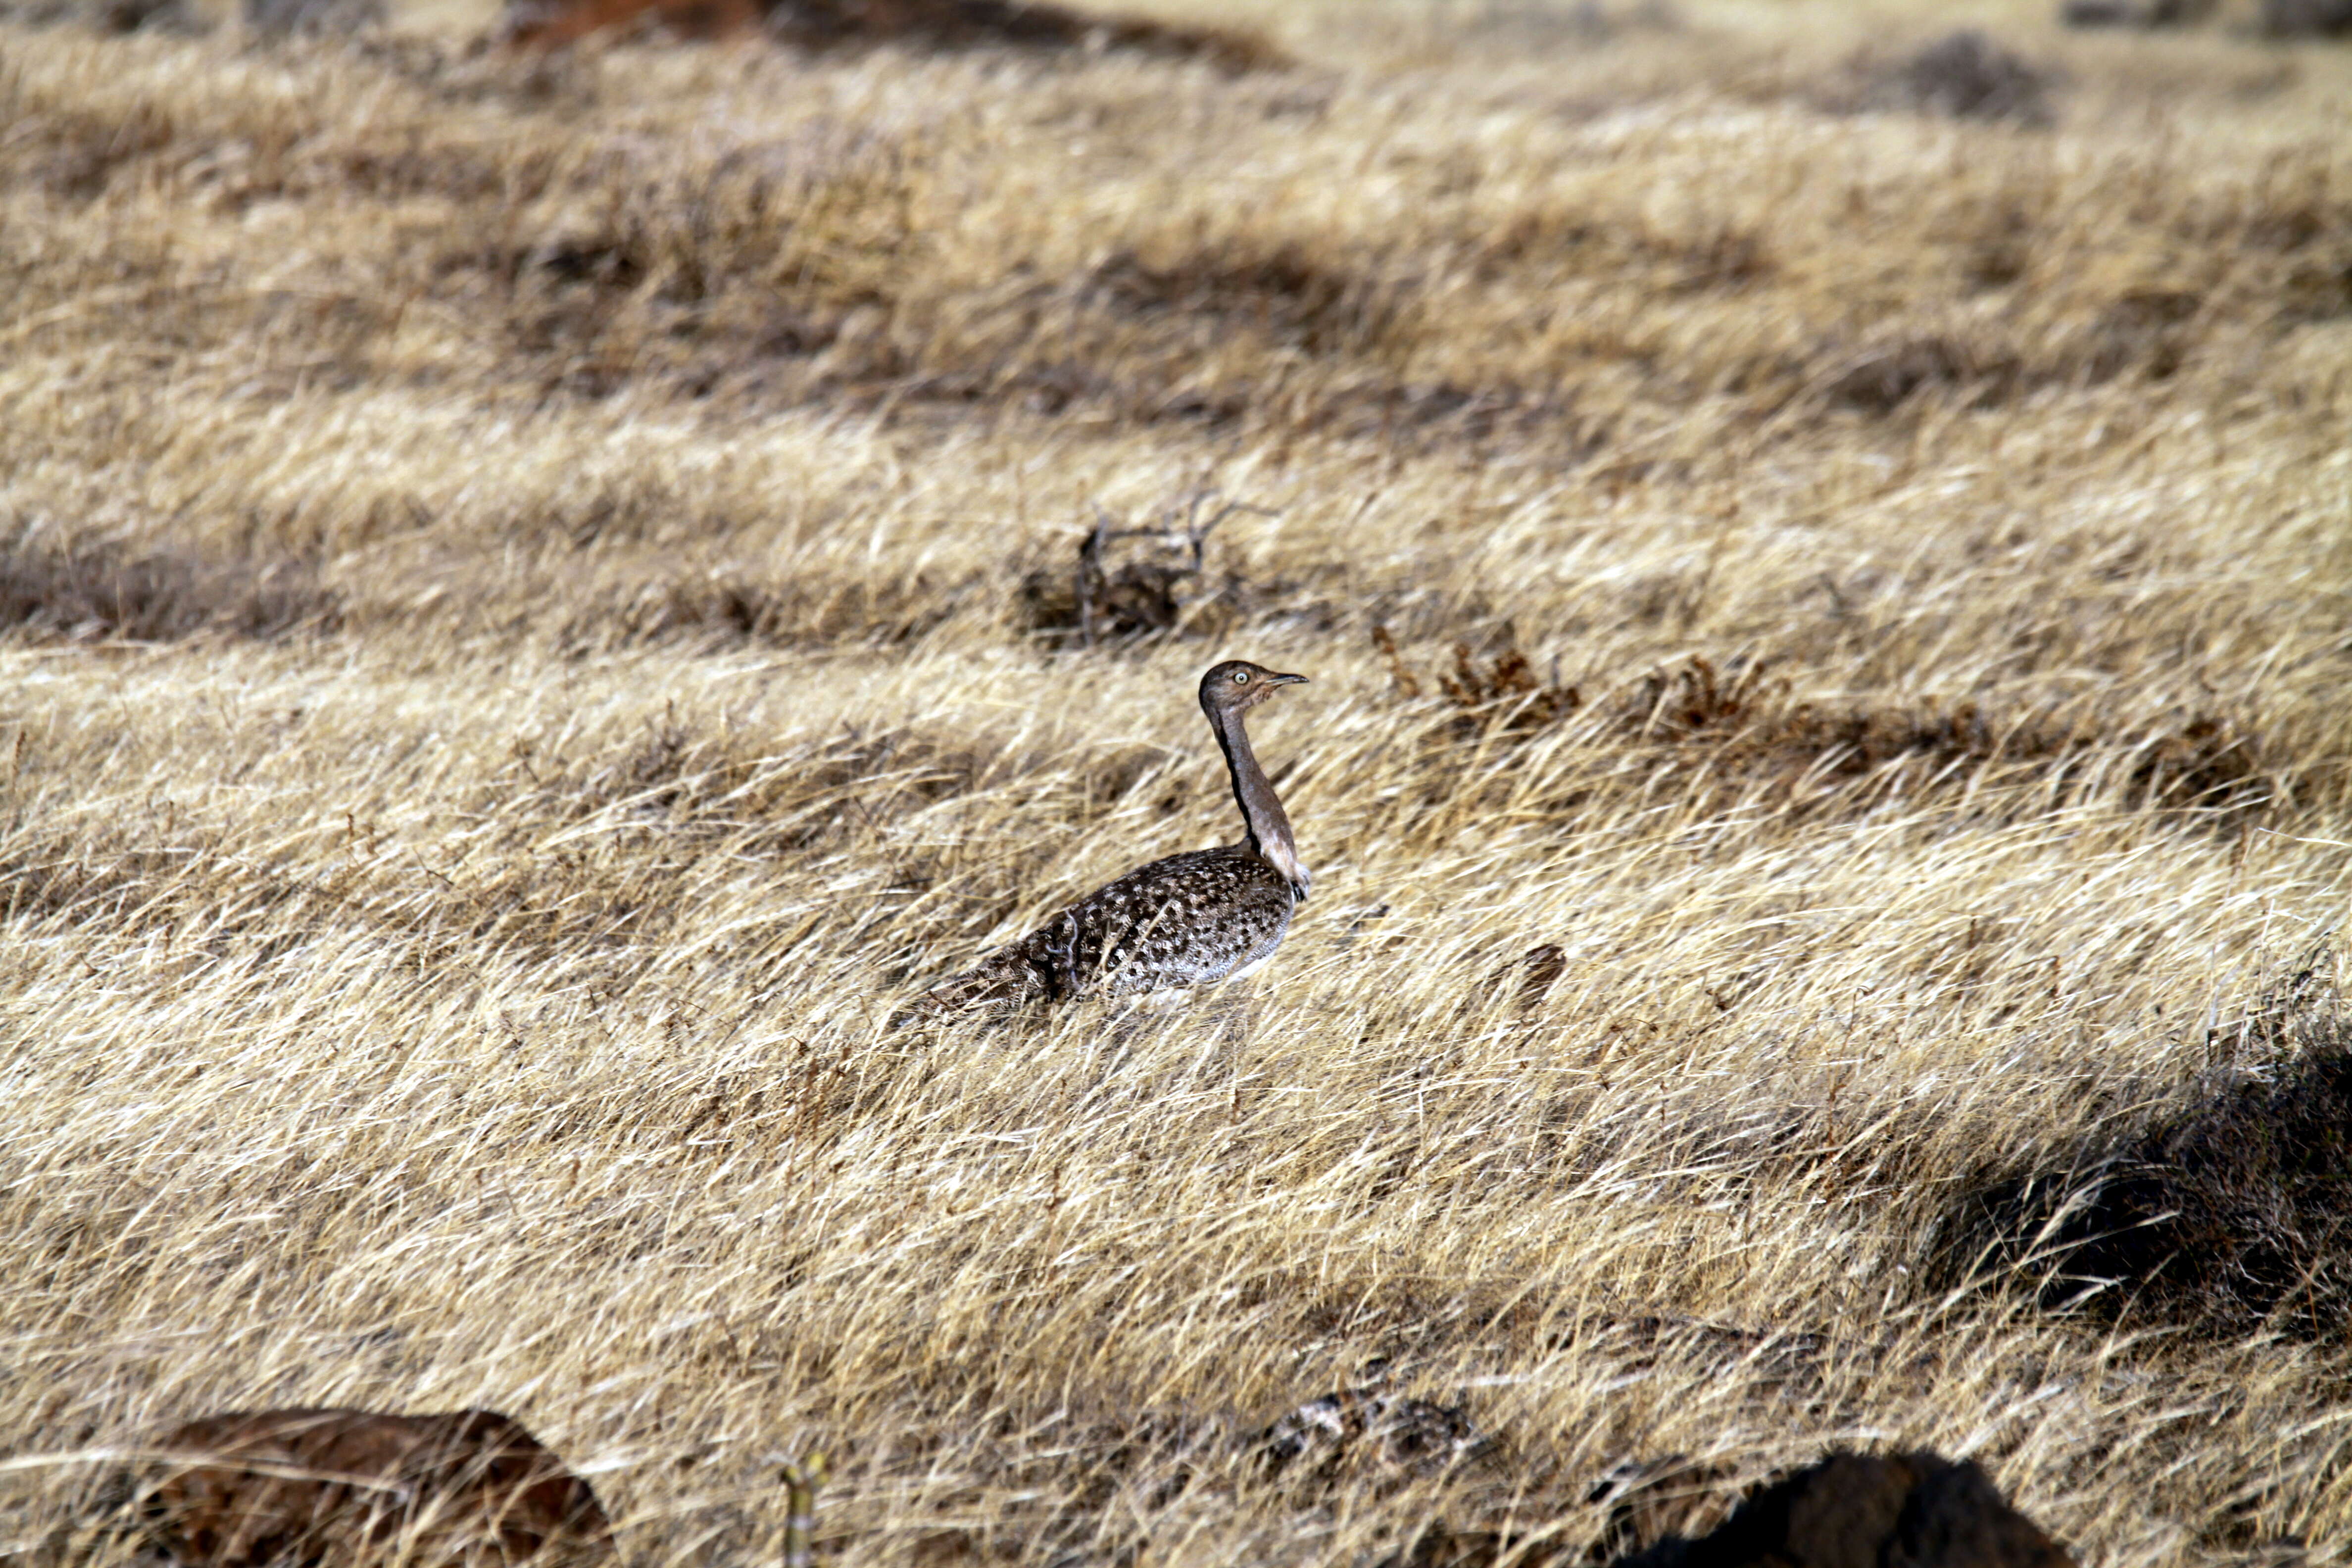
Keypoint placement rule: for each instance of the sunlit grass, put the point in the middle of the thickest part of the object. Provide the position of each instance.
(518, 664)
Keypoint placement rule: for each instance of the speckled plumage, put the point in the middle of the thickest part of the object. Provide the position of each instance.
(1190, 919)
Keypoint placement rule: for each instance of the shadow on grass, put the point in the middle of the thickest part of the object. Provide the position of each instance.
(2226, 1218)
(94, 591)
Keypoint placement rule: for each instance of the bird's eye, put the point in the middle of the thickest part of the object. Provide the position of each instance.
(1241, 678)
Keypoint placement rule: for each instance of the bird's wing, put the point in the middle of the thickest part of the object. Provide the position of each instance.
(1185, 920)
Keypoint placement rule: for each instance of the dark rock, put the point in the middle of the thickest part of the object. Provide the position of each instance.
(324, 1486)
(1852, 1510)
(1849, 1511)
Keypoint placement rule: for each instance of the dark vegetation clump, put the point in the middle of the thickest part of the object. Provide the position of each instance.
(1752, 720)
(1015, 24)
(2135, 13)
(1283, 292)
(1130, 583)
(77, 156)
(1659, 1499)
(1741, 720)
(1964, 76)
(2151, 332)
(108, 15)
(1504, 689)
(1646, 1501)
(940, 24)
(102, 591)
(2229, 1217)
(2307, 18)
(1529, 979)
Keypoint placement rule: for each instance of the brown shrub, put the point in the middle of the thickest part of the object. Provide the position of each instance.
(1504, 690)
(341, 1485)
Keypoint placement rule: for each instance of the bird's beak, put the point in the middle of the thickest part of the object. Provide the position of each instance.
(1287, 679)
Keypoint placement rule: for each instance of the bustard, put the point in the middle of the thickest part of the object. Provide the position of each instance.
(1190, 919)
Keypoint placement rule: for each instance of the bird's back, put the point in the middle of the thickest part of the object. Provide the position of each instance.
(1190, 919)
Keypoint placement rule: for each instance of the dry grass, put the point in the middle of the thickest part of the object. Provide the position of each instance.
(522, 646)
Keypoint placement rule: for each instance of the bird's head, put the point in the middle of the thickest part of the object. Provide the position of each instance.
(1237, 686)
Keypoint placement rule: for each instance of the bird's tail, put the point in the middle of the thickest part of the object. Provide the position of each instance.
(1005, 978)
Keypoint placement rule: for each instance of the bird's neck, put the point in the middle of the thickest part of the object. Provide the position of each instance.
(1262, 813)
